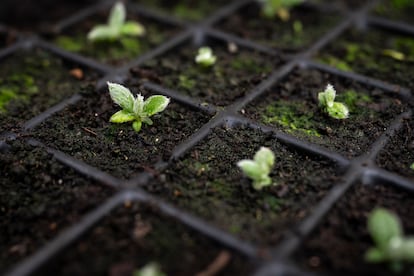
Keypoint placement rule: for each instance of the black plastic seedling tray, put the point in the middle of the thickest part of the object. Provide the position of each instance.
(80, 196)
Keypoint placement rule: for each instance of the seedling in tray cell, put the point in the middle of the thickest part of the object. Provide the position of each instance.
(117, 26)
(390, 244)
(135, 110)
(205, 57)
(280, 8)
(259, 168)
(334, 109)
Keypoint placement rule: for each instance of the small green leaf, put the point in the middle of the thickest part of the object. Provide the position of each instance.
(375, 255)
(122, 96)
(122, 116)
(265, 158)
(117, 15)
(133, 29)
(327, 97)
(136, 125)
(155, 104)
(103, 32)
(338, 111)
(205, 57)
(151, 269)
(250, 168)
(138, 107)
(383, 226)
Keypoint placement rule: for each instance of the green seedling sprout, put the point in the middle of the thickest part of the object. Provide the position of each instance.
(151, 269)
(412, 166)
(280, 8)
(259, 168)
(117, 26)
(334, 109)
(135, 110)
(205, 57)
(390, 244)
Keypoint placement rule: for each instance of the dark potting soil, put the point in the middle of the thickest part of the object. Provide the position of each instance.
(83, 131)
(30, 15)
(133, 236)
(344, 4)
(398, 154)
(185, 9)
(7, 39)
(338, 246)
(231, 77)
(292, 106)
(207, 182)
(119, 51)
(32, 82)
(302, 29)
(380, 54)
(400, 12)
(39, 197)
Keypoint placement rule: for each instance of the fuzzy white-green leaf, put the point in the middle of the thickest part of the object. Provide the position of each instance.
(136, 125)
(383, 226)
(151, 269)
(327, 97)
(375, 255)
(132, 29)
(155, 104)
(122, 96)
(265, 158)
(117, 15)
(250, 168)
(122, 116)
(103, 32)
(138, 107)
(205, 57)
(338, 111)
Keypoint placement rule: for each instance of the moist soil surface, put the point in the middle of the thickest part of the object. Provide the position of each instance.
(39, 197)
(133, 236)
(116, 52)
(232, 76)
(393, 11)
(83, 131)
(193, 10)
(299, 32)
(338, 246)
(292, 106)
(32, 82)
(376, 53)
(208, 183)
(398, 154)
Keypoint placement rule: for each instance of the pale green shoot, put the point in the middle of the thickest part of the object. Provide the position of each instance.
(280, 8)
(116, 26)
(135, 110)
(151, 269)
(334, 109)
(205, 57)
(259, 168)
(390, 244)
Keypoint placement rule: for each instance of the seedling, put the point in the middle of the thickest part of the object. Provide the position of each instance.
(205, 57)
(151, 269)
(390, 244)
(135, 110)
(117, 26)
(334, 109)
(280, 8)
(259, 168)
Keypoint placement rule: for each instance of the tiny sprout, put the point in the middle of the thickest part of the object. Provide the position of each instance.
(412, 166)
(334, 109)
(151, 269)
(271, 8)
(116, 27)
(135, 110)
(205, 57)
(390, 244)
(259, 168)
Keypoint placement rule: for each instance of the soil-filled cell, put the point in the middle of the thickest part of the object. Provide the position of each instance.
(83, 130)
(208, 183)
(235, 72)
(133, 236)
(304, 27)
(379, 54)
(32, 82)
(115, 52)
(339, 244)
(39, 198)
(292, 105)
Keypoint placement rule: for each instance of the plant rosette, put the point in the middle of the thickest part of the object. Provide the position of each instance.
(208, 182)
(340, 244)
(85, 132)
(295, 34)
(231, 76)
(293, 107)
